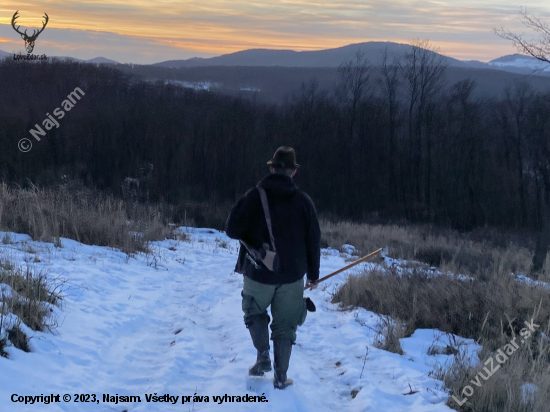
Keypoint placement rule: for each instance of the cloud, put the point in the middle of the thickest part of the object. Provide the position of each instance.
(145, 32)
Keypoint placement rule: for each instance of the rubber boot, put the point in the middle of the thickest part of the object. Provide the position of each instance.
(260, 338)
(262, 365)
(282, 348)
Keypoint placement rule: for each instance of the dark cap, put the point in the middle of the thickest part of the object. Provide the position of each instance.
(284, 157)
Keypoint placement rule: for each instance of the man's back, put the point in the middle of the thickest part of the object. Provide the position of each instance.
(295, 229)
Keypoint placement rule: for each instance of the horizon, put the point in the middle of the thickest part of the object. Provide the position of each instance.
(263, 48)
(460, 30)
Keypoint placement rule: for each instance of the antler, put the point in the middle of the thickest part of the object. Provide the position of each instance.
(34, 34)
(15, 16)
(43, 27)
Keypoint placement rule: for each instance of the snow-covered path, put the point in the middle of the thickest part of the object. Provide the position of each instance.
(174, 326)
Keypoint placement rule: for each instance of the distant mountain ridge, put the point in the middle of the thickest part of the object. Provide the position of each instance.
(101, 60)
(520, 62)
(373, 52)
(513, 57)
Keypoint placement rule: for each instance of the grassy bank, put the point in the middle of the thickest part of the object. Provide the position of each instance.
(82, 214)
(489, 306)
(474, 253)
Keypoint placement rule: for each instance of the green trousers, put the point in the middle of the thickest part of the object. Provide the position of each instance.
(288, 306)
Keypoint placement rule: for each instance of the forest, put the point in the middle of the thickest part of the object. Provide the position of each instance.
(393, 144)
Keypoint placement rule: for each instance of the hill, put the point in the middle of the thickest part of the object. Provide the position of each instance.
(373, 51)
(520, 62)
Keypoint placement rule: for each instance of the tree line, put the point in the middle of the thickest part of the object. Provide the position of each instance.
(395, 143)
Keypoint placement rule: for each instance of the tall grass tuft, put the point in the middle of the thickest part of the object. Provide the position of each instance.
(82, 214)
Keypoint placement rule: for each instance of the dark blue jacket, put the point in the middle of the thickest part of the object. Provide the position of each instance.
(295, 229)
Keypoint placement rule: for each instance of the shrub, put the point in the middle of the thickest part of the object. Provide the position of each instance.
(18, 339)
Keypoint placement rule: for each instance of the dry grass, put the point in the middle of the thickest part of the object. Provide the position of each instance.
(491, 307)
(388, 333)
(521, 383)
(505, 390)
(478, 309)
(3, 344)
(78, 213)
(472, 253)
(18, 338)
(28, 302)
(26, 283)
(29, 297)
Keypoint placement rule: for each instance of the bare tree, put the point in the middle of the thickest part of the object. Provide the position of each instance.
(352, 86)
(304, 109)
(389, 84)
(539, 169)
(517, 101)
(350, 92)
(423, 70)
(538, 48)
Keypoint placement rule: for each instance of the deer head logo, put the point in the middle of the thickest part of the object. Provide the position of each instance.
(29, 40)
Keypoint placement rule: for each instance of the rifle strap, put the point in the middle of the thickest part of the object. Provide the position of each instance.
(265, 205)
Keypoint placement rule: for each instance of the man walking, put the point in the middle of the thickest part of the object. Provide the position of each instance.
(296, 237)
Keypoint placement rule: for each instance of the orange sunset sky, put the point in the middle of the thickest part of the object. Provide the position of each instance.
(141, 31)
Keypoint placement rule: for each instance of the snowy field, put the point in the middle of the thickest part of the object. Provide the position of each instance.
(173, 325)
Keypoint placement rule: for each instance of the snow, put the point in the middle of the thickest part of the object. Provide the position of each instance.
(200, 85)
(172, 324)
(521, 278)
(528, 391)
(526, 62)
(250, 89)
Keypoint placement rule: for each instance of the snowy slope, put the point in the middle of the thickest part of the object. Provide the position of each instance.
(519, 61)
(173, 325)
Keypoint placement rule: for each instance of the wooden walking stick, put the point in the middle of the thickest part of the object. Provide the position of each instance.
(381, 251)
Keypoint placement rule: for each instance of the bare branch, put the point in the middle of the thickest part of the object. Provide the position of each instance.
(538, 48)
